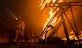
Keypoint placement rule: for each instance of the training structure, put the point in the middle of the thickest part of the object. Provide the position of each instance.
(57, 12)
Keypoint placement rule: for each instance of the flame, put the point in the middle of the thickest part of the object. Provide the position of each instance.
(73, 37)
(48, 1)
(54, 21)
(48, 19)
(60, 0)
(43, 37)
(51, 14)
(53, 1)
(43, 3)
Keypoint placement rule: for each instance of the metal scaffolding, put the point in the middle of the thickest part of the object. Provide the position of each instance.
(58, 11)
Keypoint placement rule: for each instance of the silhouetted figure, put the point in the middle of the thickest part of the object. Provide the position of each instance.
(19, 30)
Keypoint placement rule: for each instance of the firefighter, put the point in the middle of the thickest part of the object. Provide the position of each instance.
(19, 29)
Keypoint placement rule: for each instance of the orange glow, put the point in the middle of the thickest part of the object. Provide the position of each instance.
(53, 1)
(72, 36)
(47, 1)
(50, 16)
(43, 3)
(60, 0)
(51, 13)
(64, 39)
(43, 37)
(80, 35)
(54, 21)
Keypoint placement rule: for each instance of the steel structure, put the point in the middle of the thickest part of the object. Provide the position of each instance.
(59, 11)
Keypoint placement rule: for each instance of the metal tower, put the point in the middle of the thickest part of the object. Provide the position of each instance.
(57, 9)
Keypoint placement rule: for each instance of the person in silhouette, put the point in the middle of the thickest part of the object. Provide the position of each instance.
(19, 29)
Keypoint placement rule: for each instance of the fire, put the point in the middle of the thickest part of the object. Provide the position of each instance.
(60, 0)
(51, 12)
(47, 1)
(53, 1)
(43, 37)
(50, 16)
(43, 3)
(54, 21)
(72, 36)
